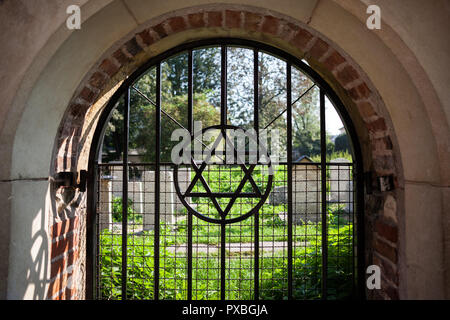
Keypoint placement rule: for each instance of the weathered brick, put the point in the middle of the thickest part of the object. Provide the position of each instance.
(384, 164)
(160, 30)
(252, 21)
(132, 47)
(319, 48)
(196, 20)
(109, 67)
(232, 19)
(61, 265)
(98, 80)
(385, 250)
(121, 57)
(177, 24)
(58, 284)
(382, 144)
(377, 125)
(361, 91)
(333, 60)
(391, 291)
(270, 25)
(214, 18)
(301, 39)
(88, 95)
(366, 109)
(385, 230)
(146, 37)
(61, 228)
(347, 75)
(64, 245)
(387, 270)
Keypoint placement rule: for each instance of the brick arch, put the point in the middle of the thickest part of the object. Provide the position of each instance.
(342, 73)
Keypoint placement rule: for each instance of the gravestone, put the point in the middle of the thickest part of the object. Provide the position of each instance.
(341, 184)
(184, 180)
(306, 191)
(166, 198)
(278, 195)
(105, 205)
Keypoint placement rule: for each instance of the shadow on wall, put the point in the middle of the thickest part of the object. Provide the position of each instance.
(29, 260)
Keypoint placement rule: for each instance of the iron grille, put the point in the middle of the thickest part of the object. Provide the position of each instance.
(158, 231)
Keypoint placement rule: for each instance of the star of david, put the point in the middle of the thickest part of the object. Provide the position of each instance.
(213, 196)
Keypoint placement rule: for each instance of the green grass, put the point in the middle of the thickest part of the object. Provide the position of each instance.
(206, 267)
(307, 262)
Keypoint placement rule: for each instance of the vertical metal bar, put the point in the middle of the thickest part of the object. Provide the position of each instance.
(223, 122)
(360, 224)
(323, 165)
(189, 218)
(222, 260)
(223, 80)
(289, 160)
(126, 123)
(157, 178)
(256, 126)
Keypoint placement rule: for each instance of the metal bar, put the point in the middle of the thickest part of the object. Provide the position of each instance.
(289, 160)
(157, 178)
(126, 123)
(223, 87)
(189, 218)
(222, 260)
(323, 158)
(292, 103)
(223, 195)
(223, 122)
(256, 127)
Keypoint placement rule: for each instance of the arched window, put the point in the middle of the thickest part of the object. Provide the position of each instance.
(225, 169)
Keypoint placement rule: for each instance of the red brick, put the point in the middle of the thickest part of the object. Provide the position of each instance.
(146, 37)
(347, 75)
(377, 125)
(385, 250)
(177, 24)
(389, 272)
(287, 30)
(361, 91)
(59, 266)
(64, 245)
(391, 292)
(88, 95)
(60, 228)
(214, 18)
(333, 60)
(252, 21)
(382, 144)
(132, 47)
(366, 110)
(232, 19)
(319, 48)
(270, 25)
(196, 20)
(121, 57)
(109, 67)
(384, 164)
(160, 31)
(58, 284)
(301, 39)
(385, 230)
(98, 80)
